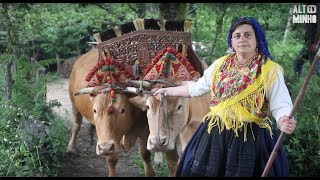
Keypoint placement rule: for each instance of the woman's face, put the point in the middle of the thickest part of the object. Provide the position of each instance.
(244, 39)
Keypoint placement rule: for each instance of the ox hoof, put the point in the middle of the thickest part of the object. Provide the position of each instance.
(158, 164)
(72, 154)
(158, 159)
(71, 151)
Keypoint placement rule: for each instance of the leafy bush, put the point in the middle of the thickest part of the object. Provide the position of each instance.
(303, 146)
(30, 147)
(32, 138)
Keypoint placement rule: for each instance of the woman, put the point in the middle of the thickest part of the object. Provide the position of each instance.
(236, 136)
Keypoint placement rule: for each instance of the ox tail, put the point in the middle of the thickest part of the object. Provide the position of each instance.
(92, 129)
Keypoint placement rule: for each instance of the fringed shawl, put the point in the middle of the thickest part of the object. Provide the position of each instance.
(230, 113)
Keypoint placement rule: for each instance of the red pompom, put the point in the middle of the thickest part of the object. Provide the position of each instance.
(175, 52)
(246, 79)
(190, 68)
(110, 109)
(169, 50)
(101, 62)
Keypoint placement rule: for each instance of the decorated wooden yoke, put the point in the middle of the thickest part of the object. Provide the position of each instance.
(134, 50)
(144, 49)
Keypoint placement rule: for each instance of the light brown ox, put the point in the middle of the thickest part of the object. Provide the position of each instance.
(127, 121)
(171, 123)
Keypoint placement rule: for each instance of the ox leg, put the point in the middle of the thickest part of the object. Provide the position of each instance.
(172, 161)
(92, 129)
(146, 158)
(76, 125)
(112, 162)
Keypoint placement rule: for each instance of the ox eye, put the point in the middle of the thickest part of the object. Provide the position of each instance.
(180, 107)
(147, 107)
(122, 111)
(94, 111)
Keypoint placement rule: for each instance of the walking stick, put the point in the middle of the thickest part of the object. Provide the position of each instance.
(295, 106)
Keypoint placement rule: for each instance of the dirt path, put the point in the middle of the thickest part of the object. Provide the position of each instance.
(87, 163)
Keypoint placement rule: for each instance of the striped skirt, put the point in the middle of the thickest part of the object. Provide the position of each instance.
(223, 154)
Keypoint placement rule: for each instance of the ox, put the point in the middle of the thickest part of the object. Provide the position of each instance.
(126, 123)
(172, 121)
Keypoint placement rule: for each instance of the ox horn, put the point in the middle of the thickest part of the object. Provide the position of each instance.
(137, 83)
(90, 90)
(164, 82)
(137, 91)
(130, 90)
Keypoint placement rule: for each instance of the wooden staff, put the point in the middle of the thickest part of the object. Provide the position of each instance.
(295, 106)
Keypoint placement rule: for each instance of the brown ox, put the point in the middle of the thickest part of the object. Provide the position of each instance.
(172, 121)
(127, 121)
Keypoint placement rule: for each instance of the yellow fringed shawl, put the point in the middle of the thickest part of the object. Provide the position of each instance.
(230, 113)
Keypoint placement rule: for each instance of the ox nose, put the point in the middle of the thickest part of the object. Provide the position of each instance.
(156, 143)
(105, 148)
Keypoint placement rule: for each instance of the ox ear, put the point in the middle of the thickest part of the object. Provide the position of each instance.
(139, 101)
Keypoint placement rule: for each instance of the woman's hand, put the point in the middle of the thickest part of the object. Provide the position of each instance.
(287, 125)
(160, 93)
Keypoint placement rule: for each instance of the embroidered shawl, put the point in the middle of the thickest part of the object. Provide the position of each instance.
(239, 95)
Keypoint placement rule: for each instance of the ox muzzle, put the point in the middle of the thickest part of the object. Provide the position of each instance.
(107, 148)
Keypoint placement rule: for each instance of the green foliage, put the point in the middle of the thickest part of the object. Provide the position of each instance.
(303, 146)
(161, 171)
(30, 147)
(61, 25)
(285, 53)
(32, 137)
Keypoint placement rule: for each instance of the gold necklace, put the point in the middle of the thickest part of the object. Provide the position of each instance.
(246, 63)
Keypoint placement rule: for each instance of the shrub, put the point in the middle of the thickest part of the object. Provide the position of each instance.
(303, 146)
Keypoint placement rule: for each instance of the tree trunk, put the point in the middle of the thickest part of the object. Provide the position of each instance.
(289, 26)
(219, 23)
(173, 11)
(58, 63)
(8, 74)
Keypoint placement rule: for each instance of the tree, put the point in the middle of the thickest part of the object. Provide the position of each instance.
(8, 25)
(173, 11)
(219, 23)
